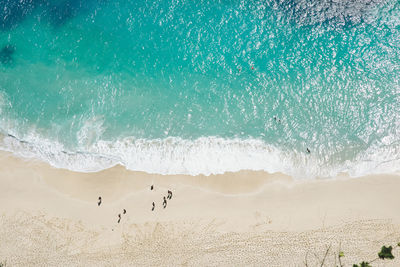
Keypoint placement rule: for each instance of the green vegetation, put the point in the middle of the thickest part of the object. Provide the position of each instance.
(362, 264)
(384, 254)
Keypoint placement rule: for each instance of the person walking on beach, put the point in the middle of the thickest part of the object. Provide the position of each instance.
(124, 211)
(98, 203)
(165, 203)
(151, 187)
(119, 218)
(154, 205)
(169, 194)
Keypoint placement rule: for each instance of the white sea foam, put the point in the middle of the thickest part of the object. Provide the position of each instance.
(207, 155)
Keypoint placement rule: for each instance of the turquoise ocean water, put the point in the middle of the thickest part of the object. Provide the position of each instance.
(184, 86)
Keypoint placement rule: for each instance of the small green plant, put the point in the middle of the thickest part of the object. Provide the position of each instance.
(3, 264)
(384, 254)
(362, 264)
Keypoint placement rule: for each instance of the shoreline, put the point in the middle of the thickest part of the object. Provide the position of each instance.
(249, 207)
(218, 156)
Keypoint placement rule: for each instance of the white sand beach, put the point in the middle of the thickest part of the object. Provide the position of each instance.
(50, 217)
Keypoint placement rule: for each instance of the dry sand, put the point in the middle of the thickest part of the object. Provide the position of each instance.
(50, 217)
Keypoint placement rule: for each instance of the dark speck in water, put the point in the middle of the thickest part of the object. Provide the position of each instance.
(6, 54)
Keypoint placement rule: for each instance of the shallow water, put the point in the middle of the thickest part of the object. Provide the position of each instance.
(203, 86)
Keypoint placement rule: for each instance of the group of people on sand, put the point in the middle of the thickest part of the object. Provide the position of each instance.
(119, 215)
(169, 197)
